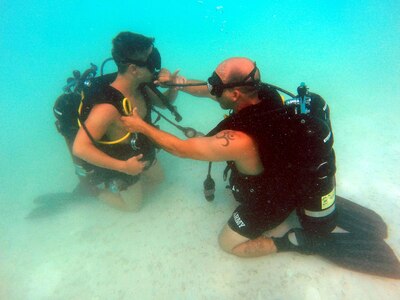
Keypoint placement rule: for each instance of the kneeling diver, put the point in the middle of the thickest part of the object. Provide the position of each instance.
(281, 160)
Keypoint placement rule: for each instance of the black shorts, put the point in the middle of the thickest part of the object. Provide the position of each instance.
(105, 179)
(265, 206)
(114, 182)
(97, 179)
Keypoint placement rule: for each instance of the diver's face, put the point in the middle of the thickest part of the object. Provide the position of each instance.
(217, 88)
(225, 100)
(215, 85)
(222, 92)
(147, 64)
(144, 72)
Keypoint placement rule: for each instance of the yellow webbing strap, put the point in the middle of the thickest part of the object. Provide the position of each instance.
(126, 104)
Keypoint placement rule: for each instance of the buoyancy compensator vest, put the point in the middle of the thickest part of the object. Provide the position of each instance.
(85, 90)
(100, 92)
(289, 142)
(72, 108)
(296, 150)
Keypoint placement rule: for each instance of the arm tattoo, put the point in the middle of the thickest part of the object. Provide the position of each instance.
(226, 136)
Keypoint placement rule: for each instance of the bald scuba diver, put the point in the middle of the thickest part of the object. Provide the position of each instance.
(281, 160)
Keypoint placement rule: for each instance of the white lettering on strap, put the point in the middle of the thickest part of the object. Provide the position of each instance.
(238, 220)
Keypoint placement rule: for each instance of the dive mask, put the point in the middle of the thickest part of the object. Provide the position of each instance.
(153, 62)
(216, 86)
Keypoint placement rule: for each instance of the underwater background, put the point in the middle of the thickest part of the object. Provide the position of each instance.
(346, 51)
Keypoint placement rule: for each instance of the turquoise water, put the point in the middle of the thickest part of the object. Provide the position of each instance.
(347, 51)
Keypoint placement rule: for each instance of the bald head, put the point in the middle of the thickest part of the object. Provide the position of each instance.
(236, 69)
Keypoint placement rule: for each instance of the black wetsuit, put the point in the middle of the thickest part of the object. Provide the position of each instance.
(101, 92)
(299, 167)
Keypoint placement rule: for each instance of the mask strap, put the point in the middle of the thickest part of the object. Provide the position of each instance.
(252, 74)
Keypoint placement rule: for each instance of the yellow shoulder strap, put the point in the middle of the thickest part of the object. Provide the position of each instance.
(127, 110)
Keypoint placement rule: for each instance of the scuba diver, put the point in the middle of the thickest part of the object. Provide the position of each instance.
(281, 160)
(112, 163)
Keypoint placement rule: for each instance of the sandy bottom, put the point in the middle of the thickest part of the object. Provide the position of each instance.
(86, 250)
(68, 249)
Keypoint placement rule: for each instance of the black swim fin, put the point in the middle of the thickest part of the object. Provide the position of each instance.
(355, 218)
(349, 250)
(52, 203)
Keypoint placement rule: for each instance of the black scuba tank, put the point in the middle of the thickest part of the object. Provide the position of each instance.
(65, 110)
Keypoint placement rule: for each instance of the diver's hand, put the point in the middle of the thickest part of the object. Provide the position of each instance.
(134, 165)
(177, 79)
(165, 77)
(133, 122)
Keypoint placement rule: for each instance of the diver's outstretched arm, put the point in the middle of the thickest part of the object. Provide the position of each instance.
(197, 91)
